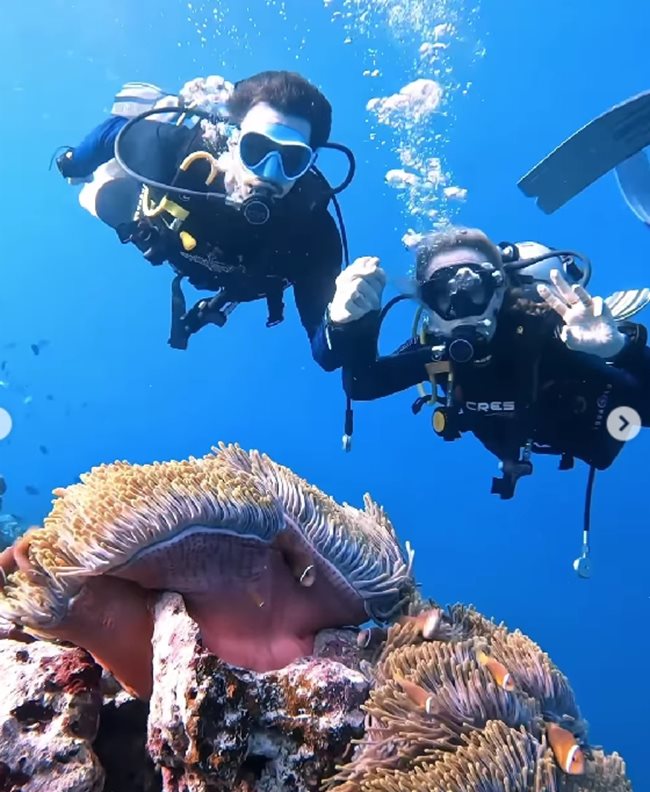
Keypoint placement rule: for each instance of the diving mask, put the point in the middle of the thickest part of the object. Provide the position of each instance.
(463, 291)
(275, 153)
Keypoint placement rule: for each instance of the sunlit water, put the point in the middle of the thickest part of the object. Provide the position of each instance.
(436, 99)
(435, 38)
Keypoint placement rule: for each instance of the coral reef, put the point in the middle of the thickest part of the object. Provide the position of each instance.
(263, 559)
(426, 705)
(235, 603)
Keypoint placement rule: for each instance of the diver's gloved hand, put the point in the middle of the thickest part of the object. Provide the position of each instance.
(358, 290)
(589, 325)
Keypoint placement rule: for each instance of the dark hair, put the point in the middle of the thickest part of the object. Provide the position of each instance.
(287, 92)
(451, 238)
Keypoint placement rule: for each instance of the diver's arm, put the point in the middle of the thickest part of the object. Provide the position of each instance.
(94, 150)
(332, 345)
(390, 374)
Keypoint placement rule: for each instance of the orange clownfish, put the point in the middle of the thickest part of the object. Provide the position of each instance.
(426, 623)
(568, 753)
(499, 672)
(418, 695)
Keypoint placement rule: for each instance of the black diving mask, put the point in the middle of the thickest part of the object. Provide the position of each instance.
(462, 291)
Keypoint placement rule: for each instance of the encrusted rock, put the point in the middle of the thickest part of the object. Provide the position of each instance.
(214, 727)
(49, 713)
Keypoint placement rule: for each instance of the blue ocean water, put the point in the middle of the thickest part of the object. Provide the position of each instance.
(106, 386)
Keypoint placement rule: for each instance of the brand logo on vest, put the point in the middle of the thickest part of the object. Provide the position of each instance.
(601, 405)
(491, 407)
(213, 262)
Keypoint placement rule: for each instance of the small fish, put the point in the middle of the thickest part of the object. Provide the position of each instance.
(371, 637)
(3, 365)
(499, 672)
(568, 753)
(28, 399)
(426, 623)
(49, 397)
(418, 695)
(3, 485)
(36, 348)
(43, 449)
(30, 490)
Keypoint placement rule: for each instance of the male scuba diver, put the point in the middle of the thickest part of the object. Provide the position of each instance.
(515, 350)
(614, 140)
(221, 182)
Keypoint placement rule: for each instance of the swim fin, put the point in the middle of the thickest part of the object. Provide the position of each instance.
(589, 153)
(633, 177)
(625, 304)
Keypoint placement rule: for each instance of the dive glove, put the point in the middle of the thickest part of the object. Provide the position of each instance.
(359, 289)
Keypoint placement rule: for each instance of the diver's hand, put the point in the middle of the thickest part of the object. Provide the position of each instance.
(588, 322)
(358, 290)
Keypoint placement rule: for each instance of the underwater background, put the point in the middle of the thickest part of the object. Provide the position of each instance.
(88, 377)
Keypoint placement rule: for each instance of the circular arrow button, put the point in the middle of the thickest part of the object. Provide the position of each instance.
(624, 423)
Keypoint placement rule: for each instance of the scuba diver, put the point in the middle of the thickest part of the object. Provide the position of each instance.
(515, 351)
(220, 181)
(614, 141)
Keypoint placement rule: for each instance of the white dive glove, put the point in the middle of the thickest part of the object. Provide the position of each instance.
(589, 325)
(358, 290)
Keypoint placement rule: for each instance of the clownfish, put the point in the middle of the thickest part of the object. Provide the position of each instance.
(418, 695)
(499, 672)
(568, 753)
(370, 637)
(426, 623)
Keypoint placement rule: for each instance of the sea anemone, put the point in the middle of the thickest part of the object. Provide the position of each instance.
(461, 704)
(262, 558)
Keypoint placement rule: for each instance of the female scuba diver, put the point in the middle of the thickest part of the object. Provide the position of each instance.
(515, 351)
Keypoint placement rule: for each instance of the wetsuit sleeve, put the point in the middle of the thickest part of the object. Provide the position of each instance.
(383, 376)
(94, 150)
(314, 290)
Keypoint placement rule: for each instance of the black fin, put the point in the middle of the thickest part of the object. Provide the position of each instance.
(589, 153)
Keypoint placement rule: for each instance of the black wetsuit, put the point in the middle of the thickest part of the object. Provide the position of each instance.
(299, 246)
(530, 387)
